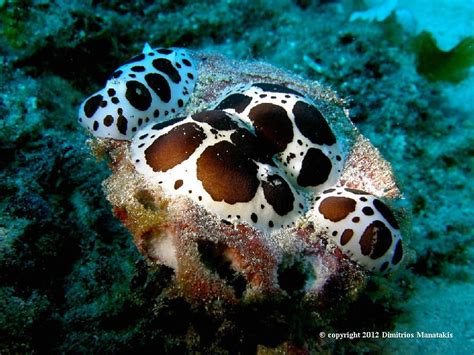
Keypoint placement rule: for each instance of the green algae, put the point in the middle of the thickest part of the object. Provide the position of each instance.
(438, 65)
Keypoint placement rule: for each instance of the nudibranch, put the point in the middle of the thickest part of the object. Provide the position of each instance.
(251, 159)
(152, 86)
(361, 225)
(263, 166)
(290, 127)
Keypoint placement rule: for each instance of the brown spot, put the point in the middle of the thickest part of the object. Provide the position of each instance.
(108, 120)
(290, 157)
(174, 147)
(164, 51)
(272, 127)
(278, 194)
(386, 213)
(398, 254)
(226, 174)
(116, 74)
(276, 88)
(159, 85)
(92, 105)
(346, 236)
(178, 184)
(368, 211)
(236, 101)
(249, 145)
(138, 95)
(138, 68)
(122, 124)
(165, 66)
(376, 240)
(336, 208)
(216, 119)
(163, 124)
(312, 124)
(315, 168)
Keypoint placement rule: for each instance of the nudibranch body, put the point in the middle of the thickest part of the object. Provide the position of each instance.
(152, 86)
(361, 225)
(251, 159)
(291, 127)
(262, 159)
(213, 159)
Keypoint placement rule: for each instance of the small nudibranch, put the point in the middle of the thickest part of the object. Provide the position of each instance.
(361, 225)
(152, 86)
(290, 126)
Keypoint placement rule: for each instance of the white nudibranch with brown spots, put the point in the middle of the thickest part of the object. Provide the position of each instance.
(263, 154)
(361, 225)
(254, 158)
(152, 86)
(289, 126)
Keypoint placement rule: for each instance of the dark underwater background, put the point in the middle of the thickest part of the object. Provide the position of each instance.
(71, 279)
